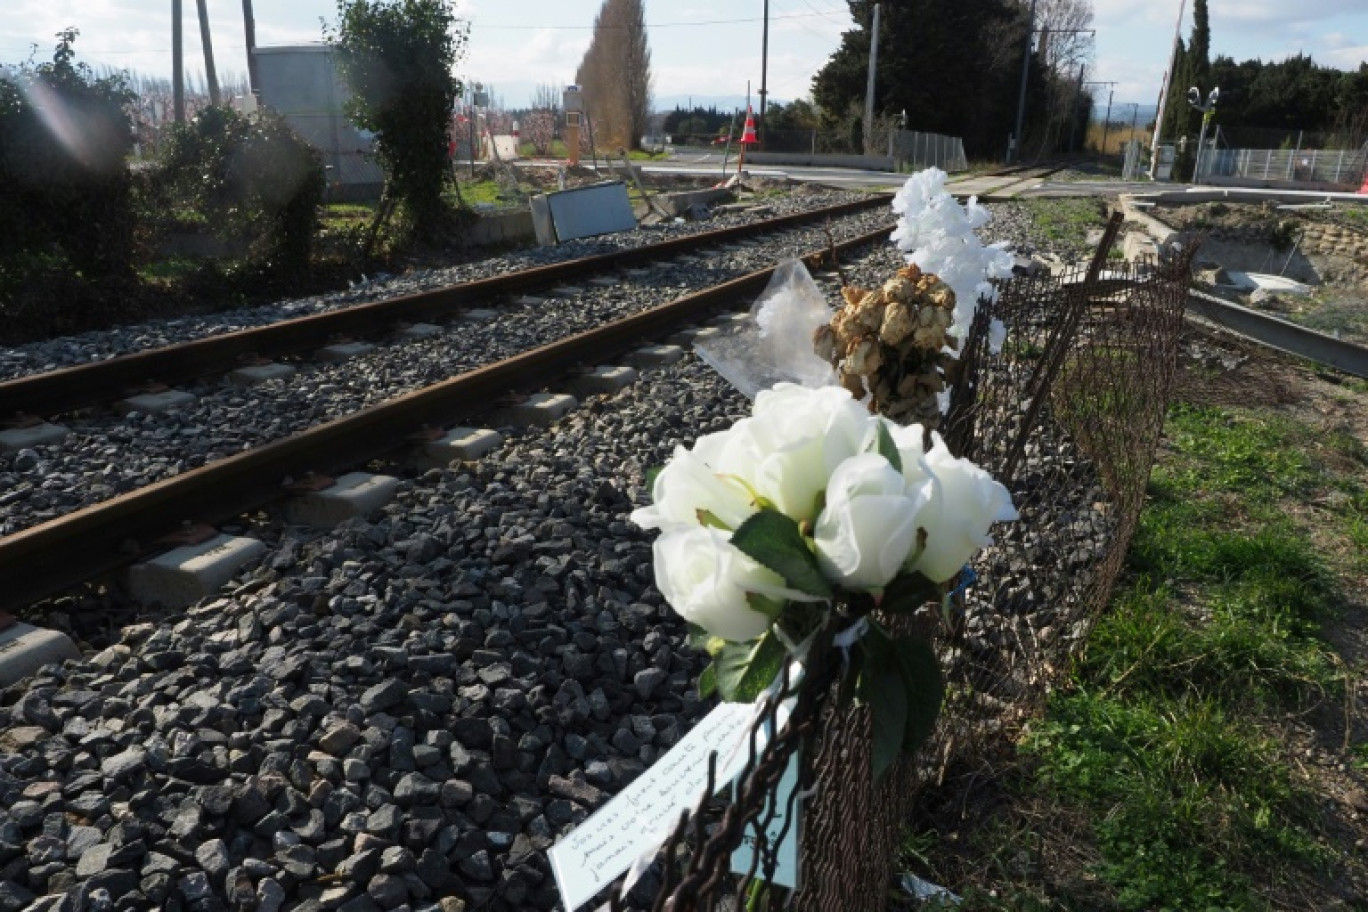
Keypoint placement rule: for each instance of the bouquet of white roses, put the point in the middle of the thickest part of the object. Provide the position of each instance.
(804, 518)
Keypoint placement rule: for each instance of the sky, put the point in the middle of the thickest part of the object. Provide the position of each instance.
(706, 50)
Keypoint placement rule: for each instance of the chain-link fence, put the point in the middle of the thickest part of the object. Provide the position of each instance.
(1067, 414)
(913, 151)
(1346, 167)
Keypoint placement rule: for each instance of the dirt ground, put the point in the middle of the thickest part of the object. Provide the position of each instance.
(1263, 238)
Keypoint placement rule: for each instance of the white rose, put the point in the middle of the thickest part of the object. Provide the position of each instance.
(706, 579)
(868, 529)
(687, 485)
(795, 440)
(964, 504)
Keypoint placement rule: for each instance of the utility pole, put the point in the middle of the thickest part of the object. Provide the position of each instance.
(1106, 121)
(214, 97)
(869, 86)
(249, 27)
(764, 70)
(1021, 96)
(177, 64)
(1073, 111)
(1164, 90)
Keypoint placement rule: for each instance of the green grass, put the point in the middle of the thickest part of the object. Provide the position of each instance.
(1162, 752)
(1067, 220)
(170, 268)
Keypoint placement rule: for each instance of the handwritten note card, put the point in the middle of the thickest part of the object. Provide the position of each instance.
(640, 817)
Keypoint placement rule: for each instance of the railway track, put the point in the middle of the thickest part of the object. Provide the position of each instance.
(59, 554)
(453, 682)
(65, 390)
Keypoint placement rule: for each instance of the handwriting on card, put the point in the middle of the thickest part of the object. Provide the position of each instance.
(640, 817)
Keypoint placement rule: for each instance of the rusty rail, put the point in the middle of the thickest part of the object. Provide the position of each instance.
(85, 385)
(80, 546)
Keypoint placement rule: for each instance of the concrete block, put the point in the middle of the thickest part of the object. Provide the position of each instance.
(732, 322)
(695, 334)
(605, 378)
(654, 356)
(184, 575)
(344, 351)
(24, 649)
(540, 410)
(38, 435)
(155, 403)
(260, 373)
(356, 494)
(460, 444)
(417, 331)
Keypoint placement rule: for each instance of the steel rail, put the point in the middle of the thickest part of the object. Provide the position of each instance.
(1280, 334)
(62, 553)
(91, 384)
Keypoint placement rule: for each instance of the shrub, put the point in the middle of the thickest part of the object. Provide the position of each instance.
(251, 179)
(64, 136)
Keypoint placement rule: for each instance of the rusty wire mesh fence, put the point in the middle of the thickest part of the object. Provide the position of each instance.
(1067, 415)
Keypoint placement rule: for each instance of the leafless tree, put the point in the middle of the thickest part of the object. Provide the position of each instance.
(546, 97)
(615, 75)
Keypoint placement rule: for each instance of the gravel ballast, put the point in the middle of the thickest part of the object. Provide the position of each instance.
(400, 713)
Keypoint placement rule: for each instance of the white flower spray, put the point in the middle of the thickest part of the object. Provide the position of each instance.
(937, 234)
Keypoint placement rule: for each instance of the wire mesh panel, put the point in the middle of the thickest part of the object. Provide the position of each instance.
(1067, 414)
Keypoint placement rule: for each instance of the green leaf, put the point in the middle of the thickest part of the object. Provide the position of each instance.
(907, 592)
(744, 670)
(709, 518)
(773, 539)
(924, 687)
(881, 689)
(770, 608)
(885, 447)
(701, 639)
(651, 475)
(707, 682)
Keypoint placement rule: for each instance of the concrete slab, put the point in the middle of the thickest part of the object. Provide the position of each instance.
(637, 273)
(605, 281)
(605, 378)
(261, 373)
(540, 410)
(155, 403)
(655, 356)
(38, 435)
(24, 649)
(1273, 284)
(462, 444)
(478, 314)
(356, 494)
(567, 291)
(417, 331)
(344, 351)
(732, 322)
(183, 576)
(530, 301)
(688, 337)
(589, 211)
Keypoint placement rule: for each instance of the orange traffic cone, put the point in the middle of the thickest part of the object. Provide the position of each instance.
(748, 134)
(748, 138)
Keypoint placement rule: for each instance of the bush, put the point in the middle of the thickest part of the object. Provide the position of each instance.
(64, 136)
(253, 181)
(397, 57)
